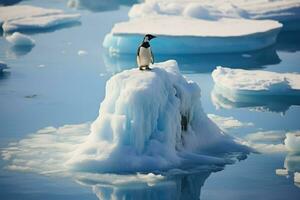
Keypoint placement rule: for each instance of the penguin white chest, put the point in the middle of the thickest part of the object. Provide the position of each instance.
(145, 57)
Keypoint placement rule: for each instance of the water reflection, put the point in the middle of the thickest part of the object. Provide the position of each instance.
(99, 6)
(288, 41)
(199, 63)
(180, 187)
(9, 2)
(273, 103)
(17, 51)
(292, 162)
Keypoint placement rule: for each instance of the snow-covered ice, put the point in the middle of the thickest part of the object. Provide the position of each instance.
(154, 120)
(292, 141)
(184, 35)
(19, 39)
(25, 17)
(284, 11)
(297, 177)
(256, 87)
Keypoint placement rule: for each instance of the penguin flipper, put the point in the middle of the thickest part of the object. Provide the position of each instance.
(152, 57)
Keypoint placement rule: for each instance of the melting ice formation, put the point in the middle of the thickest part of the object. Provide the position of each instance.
(149, 121)
(25, 17)
(19, 39)
(255, 88)
(182, 35)
(285, 11)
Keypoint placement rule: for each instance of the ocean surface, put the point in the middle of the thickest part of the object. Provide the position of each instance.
(52, 85)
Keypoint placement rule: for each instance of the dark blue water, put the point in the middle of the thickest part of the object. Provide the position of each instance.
(51, 85)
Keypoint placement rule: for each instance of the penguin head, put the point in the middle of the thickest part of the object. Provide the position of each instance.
(148, 37)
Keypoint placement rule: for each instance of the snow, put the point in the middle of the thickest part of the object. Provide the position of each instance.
(284, 11)
(3, 66)
(18, 39)
(139, 125)
(24, 17)
(178, 35)
(234, 83)
(292, 141)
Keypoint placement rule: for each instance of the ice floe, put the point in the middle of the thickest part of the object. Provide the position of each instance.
(19, 39)
(182, 35)
(255, 88)
(292, 141)
(284, 11)
(25, 17)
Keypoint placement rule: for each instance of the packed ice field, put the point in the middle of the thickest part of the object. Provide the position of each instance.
(142, 112)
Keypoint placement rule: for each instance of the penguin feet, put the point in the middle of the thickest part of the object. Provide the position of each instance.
(144, 68)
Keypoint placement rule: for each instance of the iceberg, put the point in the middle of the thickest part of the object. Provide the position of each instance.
(186, 35)
(151, 121)
(19, 39)
(284, 11)
(25, 17)
(255, 88)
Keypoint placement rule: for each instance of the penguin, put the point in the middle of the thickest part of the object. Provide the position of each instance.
(144, 54)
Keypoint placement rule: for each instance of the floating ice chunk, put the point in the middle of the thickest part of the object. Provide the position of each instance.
(267, 136)
(151, 120)
(238, 85)
(282, 172)
(292, 142)
(185, 35)
(82, 52)
(228, 123)
(23, 17)
(297, 177)
(3, 66)
(18, 39)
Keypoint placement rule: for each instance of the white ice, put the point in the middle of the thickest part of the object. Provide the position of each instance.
(292, 141)
(24, 17)
(235, 84)
(150, 120)
(19, 39)
(186, 35)
(297, 177)
(281, 10)
(282, 172)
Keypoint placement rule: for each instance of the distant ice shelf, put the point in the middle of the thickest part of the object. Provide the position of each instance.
(25, 17)
(186, 35)
(285, 11)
